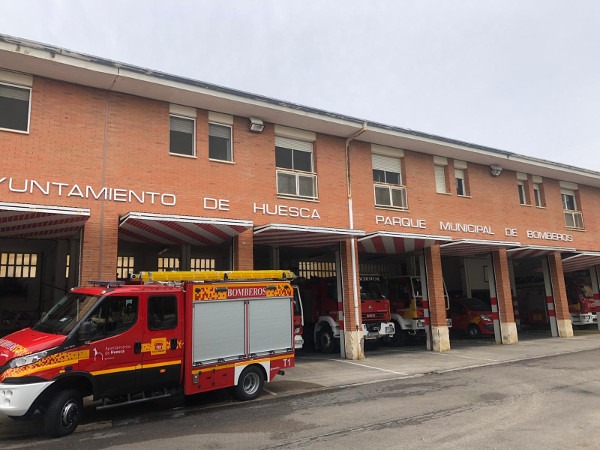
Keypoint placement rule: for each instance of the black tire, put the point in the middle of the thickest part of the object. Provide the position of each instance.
(325, 340)
(473, 331)
(250, 384)
(63, 414)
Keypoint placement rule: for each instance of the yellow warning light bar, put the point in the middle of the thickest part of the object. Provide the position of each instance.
(238, 275)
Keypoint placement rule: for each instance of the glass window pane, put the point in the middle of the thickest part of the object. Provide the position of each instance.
(303, 161)
(182, 143)
(219, 148)
(286, 183)
(399, 198)
(306, 186)
(378, 176)
(382, 196)
(283, 158)
(392, 178)
(14, 112)
(460, 187)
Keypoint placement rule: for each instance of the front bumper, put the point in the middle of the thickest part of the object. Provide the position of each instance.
(16, 399)
(373, 331)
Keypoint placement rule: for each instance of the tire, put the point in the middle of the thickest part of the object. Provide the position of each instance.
(250, 384)
(325, 340)
(473, 331)
(63, 413)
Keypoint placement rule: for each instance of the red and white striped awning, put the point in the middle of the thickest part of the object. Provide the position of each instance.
(583, 260)
(171, 229)
(393, 243)
(474, 247)
(24, 220)
(535, 251)
(283, 235)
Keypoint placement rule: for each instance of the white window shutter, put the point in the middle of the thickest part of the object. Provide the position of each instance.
(440, 179)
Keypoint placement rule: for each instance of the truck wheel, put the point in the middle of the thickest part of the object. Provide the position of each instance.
(473, 331)
(63, 413)
(250, 384)
(325, 340)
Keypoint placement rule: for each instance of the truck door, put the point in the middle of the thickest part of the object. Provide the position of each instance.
(114, 327)
(161, 346)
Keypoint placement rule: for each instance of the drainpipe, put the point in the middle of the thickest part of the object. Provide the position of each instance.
(351, 222)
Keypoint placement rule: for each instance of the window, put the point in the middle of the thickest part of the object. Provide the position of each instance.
(387, 177)
(573, 217)
(115, 315)
(14, 107)
(68, 266)
(18, 265)
(322, 269)
(125, 267)
(440, 179)
(441, 174)
(295, 170)
(523, 192)
(459, 175)
(162, 313)
(166, 264)
(537, 195)
(219, 142)
(182, 136)
(202, 264)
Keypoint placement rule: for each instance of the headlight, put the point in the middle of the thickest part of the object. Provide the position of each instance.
(485, 317)
(28, 359)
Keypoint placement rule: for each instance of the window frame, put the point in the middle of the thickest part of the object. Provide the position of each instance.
(29, 90)
(575, 214)
(380, 163)
(193, 120)
(537, 195)
(298, 174)
(230, 149)
(444, 172)
(462, 181)
(523, 190)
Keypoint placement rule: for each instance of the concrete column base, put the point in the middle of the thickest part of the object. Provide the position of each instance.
(565, 328)
(440, 339)
(508, 332)
(354, 343)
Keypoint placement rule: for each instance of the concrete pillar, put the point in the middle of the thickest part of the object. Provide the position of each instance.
(99, 248)
(353, 336)
(440, 338)
(508, 327)
(561, 306)
(243, 251)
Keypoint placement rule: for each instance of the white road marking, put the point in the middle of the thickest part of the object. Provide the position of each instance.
(371, 367)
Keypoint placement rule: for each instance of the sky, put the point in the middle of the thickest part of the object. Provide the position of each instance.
(515, 75)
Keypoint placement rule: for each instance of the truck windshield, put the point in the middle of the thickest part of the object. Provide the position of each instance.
(372, 287)
(67, 313)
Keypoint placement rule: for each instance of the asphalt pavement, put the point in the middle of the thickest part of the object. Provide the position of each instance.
(316, 372)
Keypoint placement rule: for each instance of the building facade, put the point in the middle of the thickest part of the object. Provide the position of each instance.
(110, 169)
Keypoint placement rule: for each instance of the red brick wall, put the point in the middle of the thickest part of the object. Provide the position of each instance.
(437, 301)
(89, 137)
(503, 292)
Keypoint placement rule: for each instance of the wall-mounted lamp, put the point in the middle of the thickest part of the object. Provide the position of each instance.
(256, 125)
(495, 170)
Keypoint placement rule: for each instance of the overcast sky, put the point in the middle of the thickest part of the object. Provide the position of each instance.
(516, 75)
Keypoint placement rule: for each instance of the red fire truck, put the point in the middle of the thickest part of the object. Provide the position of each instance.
(408, 313)
(169, 334)
(321, 300)
(582, 305)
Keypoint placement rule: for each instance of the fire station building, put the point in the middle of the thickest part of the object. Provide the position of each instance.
(110, 169)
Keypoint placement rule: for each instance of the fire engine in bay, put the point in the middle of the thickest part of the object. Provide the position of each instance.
(320, 297)
(166, 334)
(408, 311)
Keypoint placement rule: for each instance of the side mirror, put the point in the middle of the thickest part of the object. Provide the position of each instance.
(86, 331)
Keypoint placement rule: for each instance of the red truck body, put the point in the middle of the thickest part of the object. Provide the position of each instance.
(136, 342)
(325, 309)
